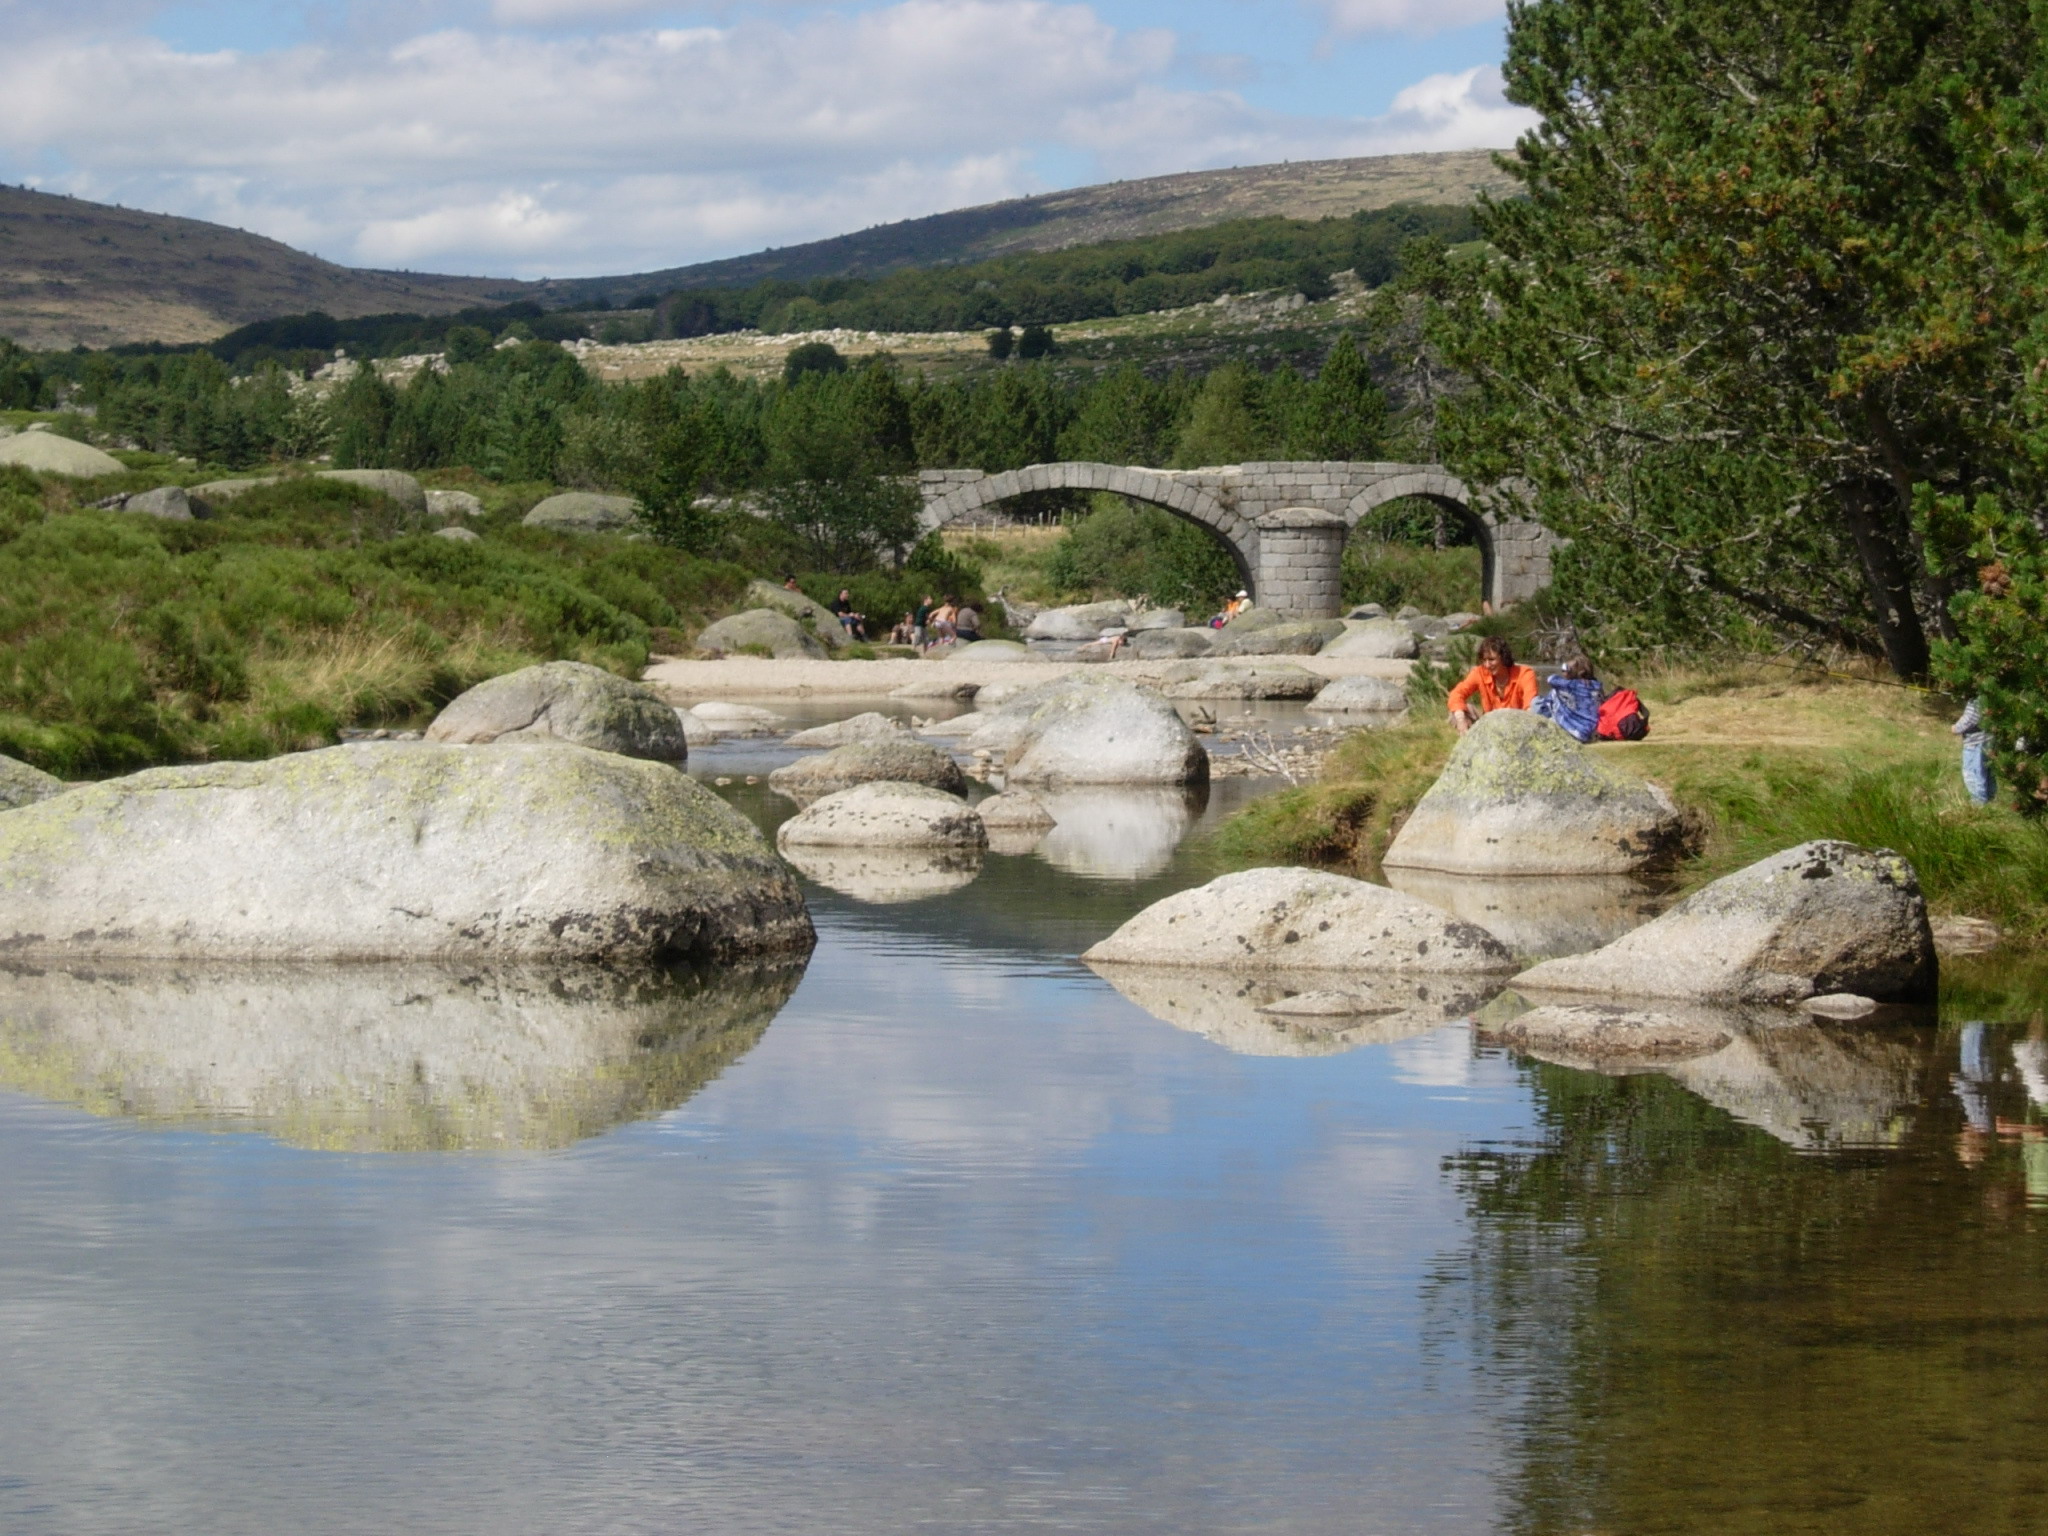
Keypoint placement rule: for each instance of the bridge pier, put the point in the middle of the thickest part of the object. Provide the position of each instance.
(1301, 562)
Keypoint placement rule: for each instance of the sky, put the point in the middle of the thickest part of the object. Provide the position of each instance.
(564, 138)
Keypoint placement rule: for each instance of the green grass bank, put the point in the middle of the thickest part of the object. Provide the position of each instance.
(1765, 758)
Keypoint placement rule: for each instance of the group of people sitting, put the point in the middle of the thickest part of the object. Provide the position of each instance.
(1575, 700)
(934, 622)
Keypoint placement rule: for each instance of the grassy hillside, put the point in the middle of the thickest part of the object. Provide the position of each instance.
(1052, 221)
(77, 273)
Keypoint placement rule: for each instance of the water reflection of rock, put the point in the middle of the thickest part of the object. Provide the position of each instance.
(1818, 1087)
(1118, 834)
(1815, 1085)
(887, 875)
(382, 1058)
(1228, 1007)
(1539, 917)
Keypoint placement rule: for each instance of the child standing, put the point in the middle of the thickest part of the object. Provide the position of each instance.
(1977, 779)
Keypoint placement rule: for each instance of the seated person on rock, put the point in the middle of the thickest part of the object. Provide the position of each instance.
(1574, 700)
(1496, 682)
(966, 623)
(1232, 609)
(905, 632)
(851, 620)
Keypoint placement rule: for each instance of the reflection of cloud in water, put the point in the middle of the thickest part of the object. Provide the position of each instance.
(1539, 916)
(382, 1058)
(887, 875)
(1441, 1059)
(1117, 834)
(1226, 1007)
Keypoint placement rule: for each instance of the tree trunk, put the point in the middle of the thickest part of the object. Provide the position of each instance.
(1887, 578)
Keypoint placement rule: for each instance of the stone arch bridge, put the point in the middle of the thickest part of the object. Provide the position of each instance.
(1284, 523)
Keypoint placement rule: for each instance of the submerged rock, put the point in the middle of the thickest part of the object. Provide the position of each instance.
(585, 512)
(21, 784)
(565, 701)
(1822, 917)
(384, 1058)
(866, 727)
(395, 850)
(885, 815)
(1302, 919)
(1092, 729)
(1575, 1034)
(869, 762)
(1520, 797)
(761, 629)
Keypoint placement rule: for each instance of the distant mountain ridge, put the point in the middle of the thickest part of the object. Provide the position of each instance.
(80, 273)
(1305, 189)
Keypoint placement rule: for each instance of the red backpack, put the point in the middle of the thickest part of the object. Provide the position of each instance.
(1623, 717)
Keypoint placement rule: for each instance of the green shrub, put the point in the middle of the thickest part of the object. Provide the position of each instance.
(1128, 550)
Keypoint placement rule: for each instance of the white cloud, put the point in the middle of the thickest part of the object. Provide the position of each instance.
(1417, 18)
(469, 149)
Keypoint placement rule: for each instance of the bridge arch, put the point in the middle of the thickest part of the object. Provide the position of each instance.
(1192, 503)
(1447, 491)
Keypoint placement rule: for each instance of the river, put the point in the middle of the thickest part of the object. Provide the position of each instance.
(944, 1232)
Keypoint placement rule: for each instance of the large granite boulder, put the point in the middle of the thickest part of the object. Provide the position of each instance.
(396, 850)
(1374, 640)
(1016, 810)
(868, 727)
(1241, 680)
(1091, 729)
(806, 610)
(1300, 637)
(885, 815)
(730, 719)
(1363, 695)
(22, 785)
(1520, 797)
(169, 502)
(447, 506)
(211, 497)
(1581, 1034)
(49, 454)
(393, 483)
(1082, 621)
(1145, 620)
(1170, 644)
(1254, 619)
(869, 762)
(565, 701)
(1302, 919)
(585, 512)
(1822, 917)
(777, 633)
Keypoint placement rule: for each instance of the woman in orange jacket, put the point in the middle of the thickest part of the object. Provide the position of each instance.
(1497, 681)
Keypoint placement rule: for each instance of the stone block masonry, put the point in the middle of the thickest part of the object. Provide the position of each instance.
(1284, 523)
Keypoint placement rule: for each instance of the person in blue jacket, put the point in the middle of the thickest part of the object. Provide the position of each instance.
(1573, 700)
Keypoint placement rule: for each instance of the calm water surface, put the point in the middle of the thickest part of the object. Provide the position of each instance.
(944, 1232)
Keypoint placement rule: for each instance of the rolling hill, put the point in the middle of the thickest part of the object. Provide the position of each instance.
(79, 273)
(1305, 189)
